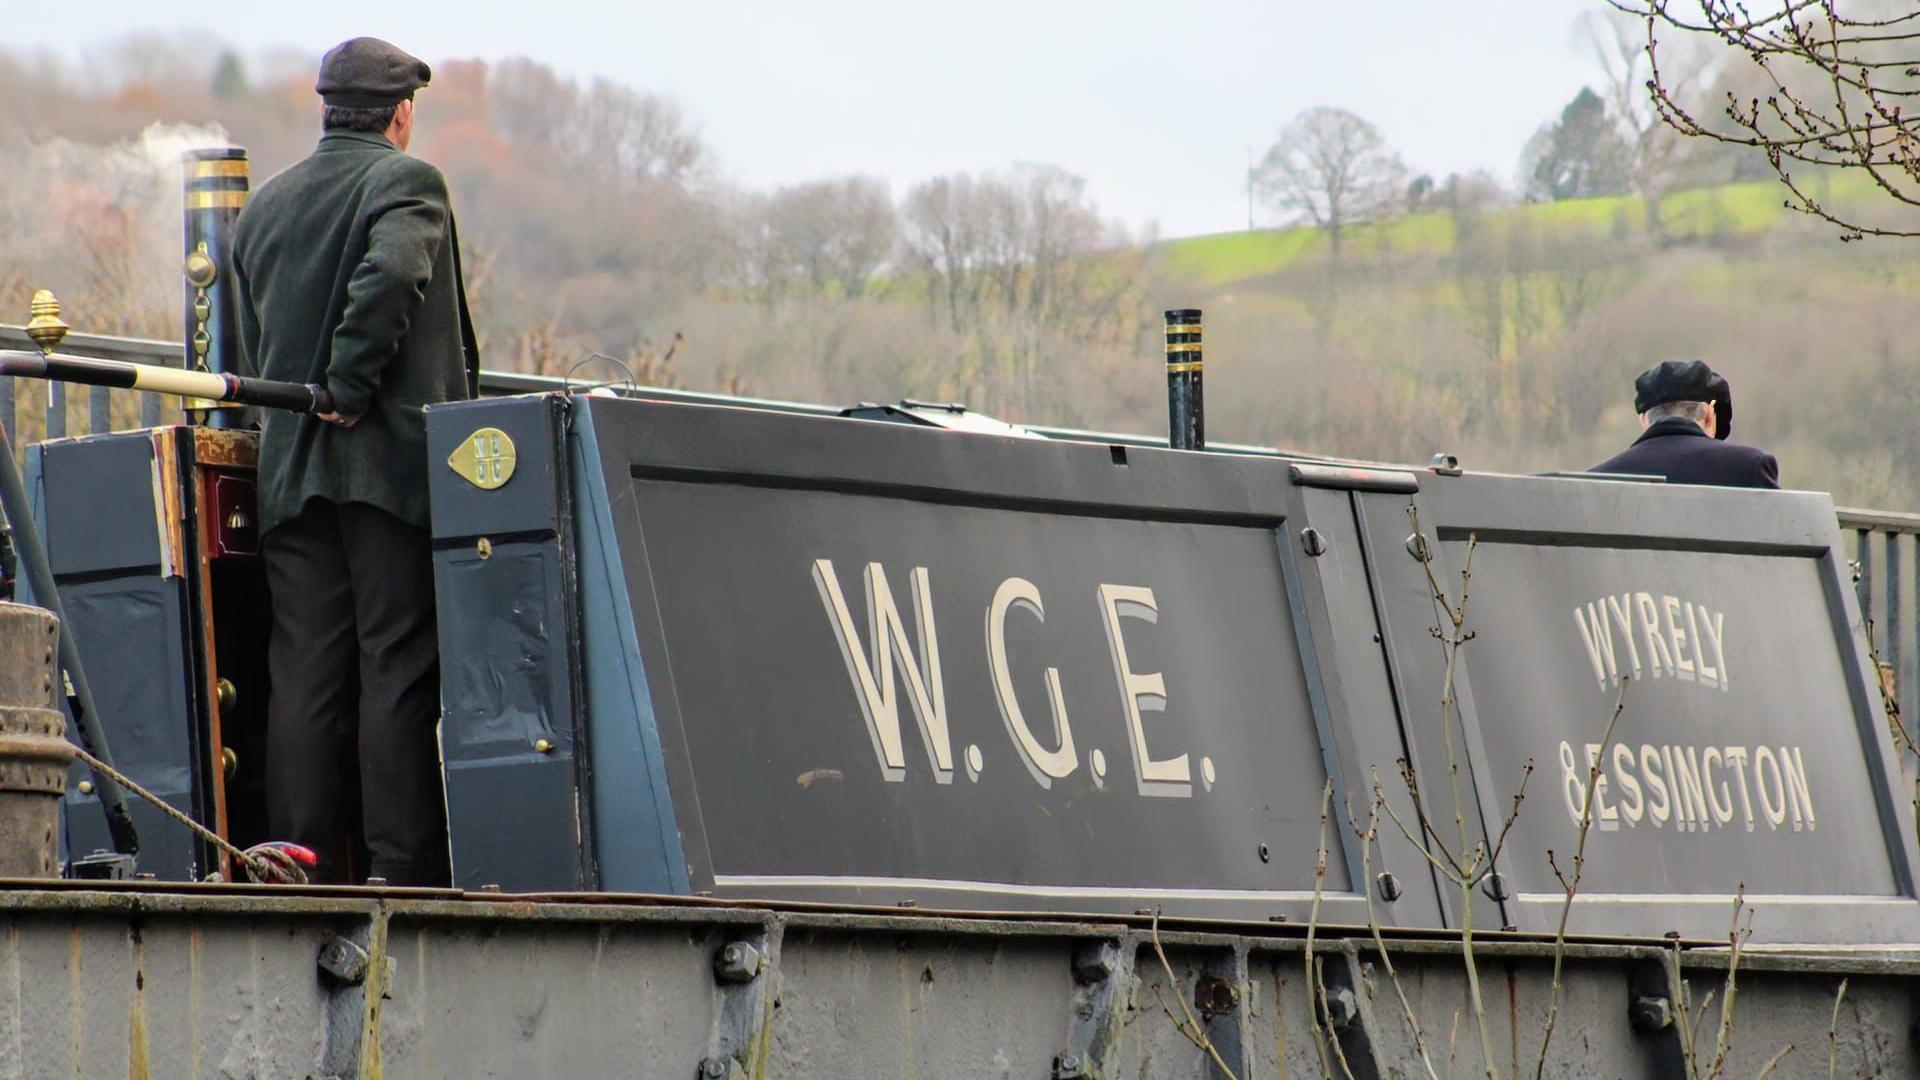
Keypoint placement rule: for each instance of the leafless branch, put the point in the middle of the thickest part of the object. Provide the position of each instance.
(1767, 1069)
(1367, 838)
(1835, 87)
(1737, 937)
(1571, 884)
(1320, 992)
(1465, 867)
(1314, 1004)
(1833, 1031)
(1187, 1024)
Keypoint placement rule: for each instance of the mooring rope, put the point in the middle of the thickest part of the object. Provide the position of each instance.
(264, 863)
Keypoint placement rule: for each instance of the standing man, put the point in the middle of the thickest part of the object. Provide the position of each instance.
(1686, 414)
(348, 274)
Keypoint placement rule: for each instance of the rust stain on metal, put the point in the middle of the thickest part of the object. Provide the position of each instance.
(34, 751)
(76, 1012)
(909, 982)
(1513, 1019)
(195, 1001)
(376, 992)
(137, 1051)
(235, 449)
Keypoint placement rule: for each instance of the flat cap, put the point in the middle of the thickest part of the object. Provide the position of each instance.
(1685, 380)
(367, 73)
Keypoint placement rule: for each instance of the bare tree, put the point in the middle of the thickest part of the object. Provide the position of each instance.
(1836, 85)
(1022, 261)
(1332, 169)
(945, 233)
(829, 233)
(1654, 160)
(614, 132)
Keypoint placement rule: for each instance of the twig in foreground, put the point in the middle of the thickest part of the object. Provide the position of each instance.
(1571, 885)
(1833, 1031)
(1190, 1026)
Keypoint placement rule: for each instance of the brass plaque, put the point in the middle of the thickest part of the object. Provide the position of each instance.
(484, 459)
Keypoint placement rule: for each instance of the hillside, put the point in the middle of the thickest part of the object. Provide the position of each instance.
(1705, 215)
(1511, 336)
(1508, 336)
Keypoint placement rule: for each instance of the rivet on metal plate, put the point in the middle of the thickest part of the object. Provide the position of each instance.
(1389, 886)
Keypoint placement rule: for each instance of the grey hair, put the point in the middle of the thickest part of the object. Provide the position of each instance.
(1695, 411)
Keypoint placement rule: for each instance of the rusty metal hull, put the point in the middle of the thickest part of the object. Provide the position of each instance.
(231, 982)
(34, 752)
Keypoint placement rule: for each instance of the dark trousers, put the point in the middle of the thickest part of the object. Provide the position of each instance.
(356, 693)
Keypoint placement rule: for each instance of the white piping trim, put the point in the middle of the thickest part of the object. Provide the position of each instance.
(829, 881)
(1557, 899)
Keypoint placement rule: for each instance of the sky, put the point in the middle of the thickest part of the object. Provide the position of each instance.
(1157, 106)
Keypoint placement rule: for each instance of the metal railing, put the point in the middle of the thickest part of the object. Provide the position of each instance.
(1885, 546)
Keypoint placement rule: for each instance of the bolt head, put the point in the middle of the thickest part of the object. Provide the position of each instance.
(1342, 1007)
(713, 1069)
(1095, 961)
(1388, 885)
(737, 962)
(1069, 1066)
(345, 961)
(1650, 1012)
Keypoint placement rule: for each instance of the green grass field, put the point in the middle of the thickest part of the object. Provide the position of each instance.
(1725, 211)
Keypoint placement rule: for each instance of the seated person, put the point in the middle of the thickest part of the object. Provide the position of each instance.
(1686, 414)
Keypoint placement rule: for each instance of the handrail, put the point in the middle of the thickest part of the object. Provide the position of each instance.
(101, 346)
(1879, 520)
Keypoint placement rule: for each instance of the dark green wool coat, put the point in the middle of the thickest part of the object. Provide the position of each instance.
(348, 275)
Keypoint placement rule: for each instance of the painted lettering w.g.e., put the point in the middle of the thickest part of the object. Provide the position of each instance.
(892, 656)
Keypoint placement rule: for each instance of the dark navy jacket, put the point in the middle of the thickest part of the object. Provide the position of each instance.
(1679, 450)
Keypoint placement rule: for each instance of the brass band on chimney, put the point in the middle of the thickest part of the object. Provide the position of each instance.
(1186, 415)
(216, 189)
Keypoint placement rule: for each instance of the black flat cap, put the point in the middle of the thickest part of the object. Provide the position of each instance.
(1673, 380)
(367, 73)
